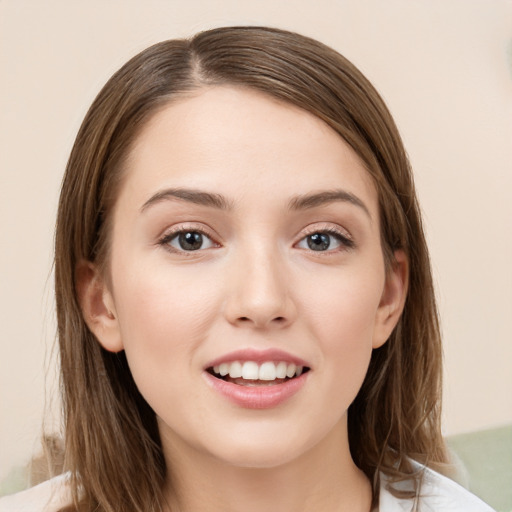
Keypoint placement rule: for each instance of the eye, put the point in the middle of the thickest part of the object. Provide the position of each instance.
(327, 240)
(188, 240)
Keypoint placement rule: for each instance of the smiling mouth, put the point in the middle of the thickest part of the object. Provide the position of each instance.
(250, 373)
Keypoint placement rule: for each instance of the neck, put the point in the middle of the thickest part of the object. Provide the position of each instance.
(324, 478)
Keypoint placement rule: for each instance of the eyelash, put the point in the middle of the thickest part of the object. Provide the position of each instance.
(346, 242)
(171, 235)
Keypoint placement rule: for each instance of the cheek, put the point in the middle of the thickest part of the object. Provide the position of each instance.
(341, 315)
(163, 316)
(344, 305)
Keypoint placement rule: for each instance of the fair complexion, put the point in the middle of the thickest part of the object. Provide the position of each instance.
(245, 224)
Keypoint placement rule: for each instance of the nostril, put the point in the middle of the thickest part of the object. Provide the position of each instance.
(278, 320)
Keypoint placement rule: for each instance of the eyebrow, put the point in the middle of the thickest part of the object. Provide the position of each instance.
(189, 195)
(300, 202)
(314, 200)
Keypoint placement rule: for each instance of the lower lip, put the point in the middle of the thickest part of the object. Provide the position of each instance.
(257, 397)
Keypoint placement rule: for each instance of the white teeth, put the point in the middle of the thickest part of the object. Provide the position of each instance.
(267, 371)
(281, 370)
(290, 370)
(249, 370)
(235, 372)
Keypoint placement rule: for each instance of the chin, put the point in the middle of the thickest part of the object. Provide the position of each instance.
(258, 458)
(260, 450)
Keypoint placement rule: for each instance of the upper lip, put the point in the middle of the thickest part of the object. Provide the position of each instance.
(258, 356)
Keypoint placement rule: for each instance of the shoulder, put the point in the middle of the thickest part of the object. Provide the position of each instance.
(437, 494)
(48, 496)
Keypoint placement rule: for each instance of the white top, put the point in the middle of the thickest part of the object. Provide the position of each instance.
(50, 496)
(438, 494)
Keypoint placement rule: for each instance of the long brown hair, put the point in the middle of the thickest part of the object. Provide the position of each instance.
(112, 443)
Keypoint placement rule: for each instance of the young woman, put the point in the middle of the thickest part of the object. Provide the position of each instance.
(245, 304)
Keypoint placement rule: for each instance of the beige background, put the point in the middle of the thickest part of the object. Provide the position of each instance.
(444, 67)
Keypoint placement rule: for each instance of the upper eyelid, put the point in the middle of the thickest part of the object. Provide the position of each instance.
(325, 227)
(188, 226)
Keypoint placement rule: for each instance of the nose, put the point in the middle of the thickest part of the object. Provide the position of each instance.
(258, 293)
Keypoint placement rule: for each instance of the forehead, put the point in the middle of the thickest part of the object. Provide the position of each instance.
(238, 141)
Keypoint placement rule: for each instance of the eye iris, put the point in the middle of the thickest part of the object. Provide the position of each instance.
(319, 242)
(190, 241)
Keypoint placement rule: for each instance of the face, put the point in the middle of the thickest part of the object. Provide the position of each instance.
(247, 283)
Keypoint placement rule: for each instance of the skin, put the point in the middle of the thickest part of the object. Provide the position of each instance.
(255, 283)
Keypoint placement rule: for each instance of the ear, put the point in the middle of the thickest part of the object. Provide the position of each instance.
(98, 308)
(393, 299)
